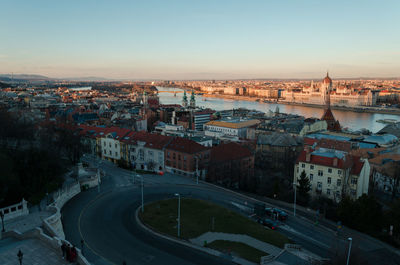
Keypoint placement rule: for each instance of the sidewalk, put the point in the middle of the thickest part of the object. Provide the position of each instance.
(34, 252)
(28, 222)
(250, 241)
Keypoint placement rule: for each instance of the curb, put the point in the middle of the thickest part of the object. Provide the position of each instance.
(182, 242)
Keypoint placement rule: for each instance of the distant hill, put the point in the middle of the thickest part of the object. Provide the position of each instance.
(15, 77)
(89, 78)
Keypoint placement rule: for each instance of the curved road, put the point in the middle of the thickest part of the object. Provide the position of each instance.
(107, 223)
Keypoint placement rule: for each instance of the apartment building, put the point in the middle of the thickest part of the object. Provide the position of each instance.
(186, 157)
(333, 173)
(229, 127)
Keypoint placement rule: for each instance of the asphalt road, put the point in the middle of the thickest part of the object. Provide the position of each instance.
(106, 222)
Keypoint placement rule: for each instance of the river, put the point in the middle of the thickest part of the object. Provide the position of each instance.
(348, 119)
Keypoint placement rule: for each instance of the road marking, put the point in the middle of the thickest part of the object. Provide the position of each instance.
(291, 230)
(80, 232)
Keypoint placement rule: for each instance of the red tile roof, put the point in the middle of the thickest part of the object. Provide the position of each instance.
(185, 145)
(229, 151)
(329, 143)
(154, 141)
(322, 160)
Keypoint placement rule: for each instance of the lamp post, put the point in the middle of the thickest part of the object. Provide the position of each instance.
(98, 176)
(294, 204)
(20, 256)
(142, 195)
(179, 214)
(348, 254)
(2, 221)
(197, 169)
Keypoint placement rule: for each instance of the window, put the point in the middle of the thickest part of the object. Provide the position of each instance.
(184, 158)
(339, 171)
(167, 154)
(353, 192)
(339, 182)
(328, 191)
(150, 153)
(116, 153)
(319, 185)
(297, 169)
(105, 152)
(329, 180)
(329, 170)
(110, 152)
(311, 177)
(141, 154)
(115, 145)
(320, 173)
(303, 165)
(311, 166)
(337, 194)
(179, 157)
(354, 181)
(104, 143)
(109, 144)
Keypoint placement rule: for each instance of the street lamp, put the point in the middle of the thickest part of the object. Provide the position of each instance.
(197, 169)
(348, 255)
(20, 255)
(142, 195)
(179, 214)
(82, 245)
(294, 204)
(2, 221)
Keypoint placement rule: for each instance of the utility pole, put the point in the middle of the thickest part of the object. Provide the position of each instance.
(348, 255)
(197, 169)
(294, 204)
(179, 214)
(142, 196)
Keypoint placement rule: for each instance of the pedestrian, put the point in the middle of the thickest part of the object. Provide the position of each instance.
(63, 249)
(73, 254)
(68, 252)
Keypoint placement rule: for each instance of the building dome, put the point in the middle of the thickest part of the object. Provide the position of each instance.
(327, 79)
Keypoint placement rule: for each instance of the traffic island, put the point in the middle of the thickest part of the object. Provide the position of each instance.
(203, 223)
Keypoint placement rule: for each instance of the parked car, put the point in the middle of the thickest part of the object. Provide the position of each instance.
(268, 222)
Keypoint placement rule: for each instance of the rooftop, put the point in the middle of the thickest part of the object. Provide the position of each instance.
(233, 123)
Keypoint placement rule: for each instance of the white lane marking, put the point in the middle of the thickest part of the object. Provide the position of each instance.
(291, 230)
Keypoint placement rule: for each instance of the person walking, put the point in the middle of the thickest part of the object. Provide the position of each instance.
(68, 252)
(63, 249)
(73, 254)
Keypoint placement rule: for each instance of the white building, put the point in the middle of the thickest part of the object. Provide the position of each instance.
(333, 173)
(146, 151)
(229, 127)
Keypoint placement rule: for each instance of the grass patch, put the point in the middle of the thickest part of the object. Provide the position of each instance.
(242, 250)
(196, 219)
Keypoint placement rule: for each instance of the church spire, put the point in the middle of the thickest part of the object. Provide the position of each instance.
(192, 100)
(184, 100)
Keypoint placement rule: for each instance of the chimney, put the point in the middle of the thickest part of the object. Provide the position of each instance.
(308, 157)
(335, 162)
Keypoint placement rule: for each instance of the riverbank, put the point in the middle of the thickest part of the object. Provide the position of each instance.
(344, 108)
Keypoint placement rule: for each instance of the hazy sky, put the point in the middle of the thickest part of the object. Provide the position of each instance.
(191, 39)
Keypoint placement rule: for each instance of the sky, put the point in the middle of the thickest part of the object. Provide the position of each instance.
(208, 39)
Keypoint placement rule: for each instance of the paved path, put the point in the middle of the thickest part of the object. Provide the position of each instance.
(28, 222)
(255, 243)
(35, 253)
